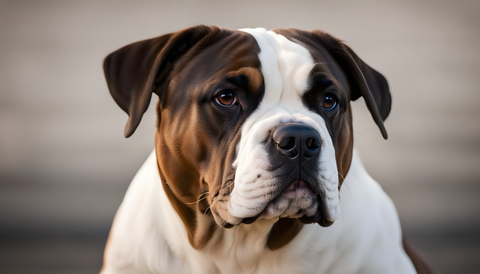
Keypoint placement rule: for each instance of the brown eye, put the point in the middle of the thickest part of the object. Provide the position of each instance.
(226, 98)
(329, 102)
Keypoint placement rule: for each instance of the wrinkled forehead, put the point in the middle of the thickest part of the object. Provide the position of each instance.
(285, 65)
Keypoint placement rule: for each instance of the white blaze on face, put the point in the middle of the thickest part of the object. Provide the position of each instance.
(285, 66)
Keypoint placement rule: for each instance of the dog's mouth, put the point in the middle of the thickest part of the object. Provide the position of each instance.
(301, 199)
(297, 201)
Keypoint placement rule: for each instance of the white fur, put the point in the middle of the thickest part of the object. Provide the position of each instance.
(285, 67)
(149, 237)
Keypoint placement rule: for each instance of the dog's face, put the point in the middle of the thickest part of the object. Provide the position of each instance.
(251, 123)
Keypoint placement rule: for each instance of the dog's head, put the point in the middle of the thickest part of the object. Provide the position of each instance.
(251, 123)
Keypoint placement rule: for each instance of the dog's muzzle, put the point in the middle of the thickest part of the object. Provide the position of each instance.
(289, 186)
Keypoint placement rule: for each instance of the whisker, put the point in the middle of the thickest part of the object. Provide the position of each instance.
(347, 191)
(206, 210)
(199, 198)
(235, 235)
(359, 134)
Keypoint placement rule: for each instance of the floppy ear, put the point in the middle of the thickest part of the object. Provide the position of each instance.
(374, 89)
(136, 70)
(364, 81)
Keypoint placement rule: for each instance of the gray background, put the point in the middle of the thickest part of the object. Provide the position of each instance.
(64, 164)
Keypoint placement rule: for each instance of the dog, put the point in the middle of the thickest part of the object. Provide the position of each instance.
(254, 168)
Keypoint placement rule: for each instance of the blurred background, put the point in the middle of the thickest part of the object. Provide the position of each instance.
(65, 166)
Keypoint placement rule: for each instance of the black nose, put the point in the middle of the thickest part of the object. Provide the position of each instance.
(297, 141)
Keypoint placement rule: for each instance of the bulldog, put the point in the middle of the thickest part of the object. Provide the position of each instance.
(254, 168)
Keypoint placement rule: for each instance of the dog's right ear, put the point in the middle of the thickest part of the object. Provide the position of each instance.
(365, 81)
(135, 71)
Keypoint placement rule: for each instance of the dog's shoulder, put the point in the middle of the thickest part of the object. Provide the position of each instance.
(144, 231)
(370, 219)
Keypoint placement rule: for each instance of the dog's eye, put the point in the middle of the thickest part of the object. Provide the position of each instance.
(226, 98)
(329, 102)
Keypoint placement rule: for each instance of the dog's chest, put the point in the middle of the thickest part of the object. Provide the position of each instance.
(150, 236)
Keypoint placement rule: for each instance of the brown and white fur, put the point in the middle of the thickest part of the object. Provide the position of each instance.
(254, 169)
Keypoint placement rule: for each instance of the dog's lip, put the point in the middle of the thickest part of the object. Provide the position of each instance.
(297, 188)
(251, 219)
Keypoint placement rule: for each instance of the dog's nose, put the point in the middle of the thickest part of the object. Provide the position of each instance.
(297, 141)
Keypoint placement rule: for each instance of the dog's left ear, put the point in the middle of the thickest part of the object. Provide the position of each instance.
(374, 89)
(364, 81)
(136, 70)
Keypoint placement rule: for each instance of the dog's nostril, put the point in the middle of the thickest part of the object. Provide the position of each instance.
(313, 143)
(309, 143)
(287, 143)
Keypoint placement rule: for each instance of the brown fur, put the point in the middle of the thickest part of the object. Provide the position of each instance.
(186, 69)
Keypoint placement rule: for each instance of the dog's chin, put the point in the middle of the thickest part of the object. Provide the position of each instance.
(298, 201)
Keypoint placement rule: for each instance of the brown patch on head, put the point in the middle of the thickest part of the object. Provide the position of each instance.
(253, 77)
(354, 79)
(196, 137)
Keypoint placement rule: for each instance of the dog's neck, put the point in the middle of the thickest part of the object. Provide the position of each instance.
(243, 243)
(150, 237)
(240, 249)
(243, 247)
